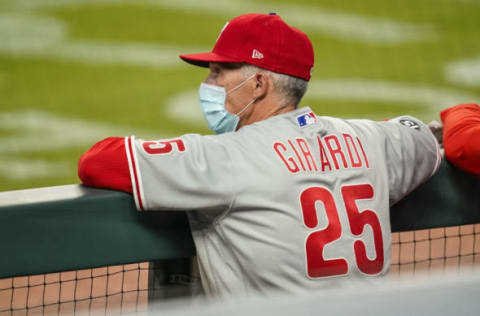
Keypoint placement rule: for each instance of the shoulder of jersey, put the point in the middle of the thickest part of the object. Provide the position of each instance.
(300, 118)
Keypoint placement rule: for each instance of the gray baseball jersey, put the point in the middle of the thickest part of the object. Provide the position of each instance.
(295, 202)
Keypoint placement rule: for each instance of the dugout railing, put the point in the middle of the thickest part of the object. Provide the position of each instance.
(74, 227)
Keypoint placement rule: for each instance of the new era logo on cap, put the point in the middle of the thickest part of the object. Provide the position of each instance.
(256, 54)
(306, 119)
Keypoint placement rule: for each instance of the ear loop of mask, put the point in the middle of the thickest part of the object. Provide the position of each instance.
(250, 103)
(240, 84)
(246, 107)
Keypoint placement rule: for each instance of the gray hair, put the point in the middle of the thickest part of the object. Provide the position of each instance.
(292, 88)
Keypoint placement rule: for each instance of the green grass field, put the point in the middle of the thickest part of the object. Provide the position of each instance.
(76, 71)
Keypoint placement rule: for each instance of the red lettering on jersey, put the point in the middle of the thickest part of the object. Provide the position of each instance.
(363, 152)
(358, 220)
(292, 167)
(317, 265)
(163, 147)
(296, 154)
(335, 151)
(349, 143)
(323, 155)
(305, 149)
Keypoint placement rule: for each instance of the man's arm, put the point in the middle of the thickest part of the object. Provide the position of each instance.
(190, 172)
(461, 136)
(105, 165)
(412, 155)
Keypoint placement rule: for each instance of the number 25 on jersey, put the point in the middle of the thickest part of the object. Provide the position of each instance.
(317, 266)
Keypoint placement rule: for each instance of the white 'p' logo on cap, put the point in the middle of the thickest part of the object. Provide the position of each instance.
(223, 29)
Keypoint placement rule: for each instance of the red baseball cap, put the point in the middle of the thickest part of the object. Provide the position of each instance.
(262, 40)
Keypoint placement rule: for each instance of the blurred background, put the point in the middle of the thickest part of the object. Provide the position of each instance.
(73, 72)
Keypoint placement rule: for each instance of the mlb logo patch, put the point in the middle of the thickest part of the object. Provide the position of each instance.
(306, 119)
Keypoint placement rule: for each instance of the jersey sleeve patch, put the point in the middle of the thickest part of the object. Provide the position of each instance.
(410, 123)
(306, 119)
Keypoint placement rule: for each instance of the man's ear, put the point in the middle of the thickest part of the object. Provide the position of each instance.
(262, 85)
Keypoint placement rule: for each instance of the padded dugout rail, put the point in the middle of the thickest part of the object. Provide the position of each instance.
(75, 227)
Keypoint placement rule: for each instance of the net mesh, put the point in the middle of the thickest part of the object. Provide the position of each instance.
(108, 290)
(126, 288)
(456, 247)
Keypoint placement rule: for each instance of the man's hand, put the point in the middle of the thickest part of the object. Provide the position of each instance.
(461, 133)
(437, 130)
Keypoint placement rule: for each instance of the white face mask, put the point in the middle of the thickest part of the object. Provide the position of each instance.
(212, 100)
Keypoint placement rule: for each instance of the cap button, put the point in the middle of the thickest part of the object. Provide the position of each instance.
(272, 13)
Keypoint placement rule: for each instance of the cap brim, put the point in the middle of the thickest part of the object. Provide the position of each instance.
(203, 59)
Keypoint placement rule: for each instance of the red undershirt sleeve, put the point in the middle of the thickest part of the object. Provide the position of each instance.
(461, 136)
(105, 165)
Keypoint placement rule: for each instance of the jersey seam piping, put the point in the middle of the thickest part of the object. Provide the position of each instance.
(134, 173)
(439, 155)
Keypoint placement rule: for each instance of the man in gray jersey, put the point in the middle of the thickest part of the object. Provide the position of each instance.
(281, 198)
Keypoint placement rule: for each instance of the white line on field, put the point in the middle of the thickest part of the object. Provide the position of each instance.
(472, 2)
(132, 54)
(40, 131)
(30, 32)
(34, 131)
(395, 93)
(47, 37)
(336, 24)
(185, 106)
(15, 169)
(3, 79)
(464, 72)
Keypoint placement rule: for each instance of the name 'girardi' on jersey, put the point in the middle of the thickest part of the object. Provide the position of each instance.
(343, 151)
